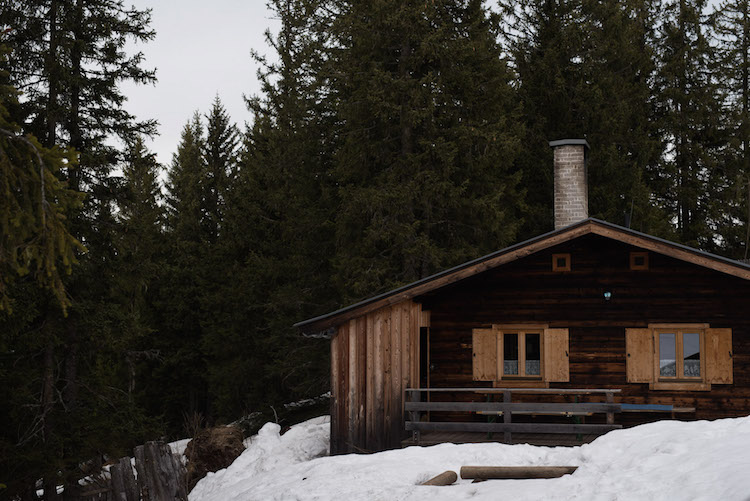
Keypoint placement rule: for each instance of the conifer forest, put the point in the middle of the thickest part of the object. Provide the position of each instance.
(391, 139)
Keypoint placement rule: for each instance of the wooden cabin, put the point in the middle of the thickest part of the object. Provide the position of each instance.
(588, 328)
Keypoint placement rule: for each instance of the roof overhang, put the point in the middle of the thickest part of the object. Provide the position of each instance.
(520, 250)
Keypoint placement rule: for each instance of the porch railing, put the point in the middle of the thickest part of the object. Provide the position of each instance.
(414, 407)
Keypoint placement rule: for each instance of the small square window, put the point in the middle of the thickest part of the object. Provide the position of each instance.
(560, 262)
(639, 260)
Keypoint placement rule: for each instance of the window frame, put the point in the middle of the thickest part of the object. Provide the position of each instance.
(679, 381)
(566, 266)
(521, 331)
(639, 267)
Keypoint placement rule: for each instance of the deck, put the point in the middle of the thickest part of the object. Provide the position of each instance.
(554, 417)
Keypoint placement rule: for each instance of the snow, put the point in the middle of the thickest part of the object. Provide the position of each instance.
(667, 460)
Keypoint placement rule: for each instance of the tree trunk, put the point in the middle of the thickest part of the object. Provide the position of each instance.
(161, 475)
(54, 77)
(124, 486)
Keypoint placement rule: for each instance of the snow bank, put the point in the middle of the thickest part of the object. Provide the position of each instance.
(660, 461)
(268, 454)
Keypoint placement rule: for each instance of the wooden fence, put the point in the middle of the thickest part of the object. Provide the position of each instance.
(415, 406)
(161, 476)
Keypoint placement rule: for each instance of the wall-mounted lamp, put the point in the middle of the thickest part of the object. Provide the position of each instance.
(607, 295)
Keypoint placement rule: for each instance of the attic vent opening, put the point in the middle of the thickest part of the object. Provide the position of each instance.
(560, 262)
(639, 260)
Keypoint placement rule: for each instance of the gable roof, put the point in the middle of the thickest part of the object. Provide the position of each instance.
(523, 249)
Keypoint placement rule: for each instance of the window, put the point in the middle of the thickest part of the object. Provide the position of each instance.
(560, 262)
(517, 353)
(522, 354)
(639, 260)
(679, 356)
(679, 353)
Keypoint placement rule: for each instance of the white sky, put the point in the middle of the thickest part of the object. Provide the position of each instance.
(202, 48)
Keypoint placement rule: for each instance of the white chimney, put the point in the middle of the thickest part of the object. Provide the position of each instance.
(571, 185)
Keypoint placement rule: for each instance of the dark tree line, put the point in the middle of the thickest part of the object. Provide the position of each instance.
(390, 140)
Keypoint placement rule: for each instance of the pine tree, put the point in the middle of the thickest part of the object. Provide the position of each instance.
(68, 57)
(584, 70)
(731, 22)
(689, 120)
(35, 238)
(426, 142)
(180, 300)
(220, 158)
(140, 259)
(277, 239)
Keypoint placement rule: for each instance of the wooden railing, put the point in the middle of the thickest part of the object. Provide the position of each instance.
(414, 407)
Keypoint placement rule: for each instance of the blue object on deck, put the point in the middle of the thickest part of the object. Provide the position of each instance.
(646, 407)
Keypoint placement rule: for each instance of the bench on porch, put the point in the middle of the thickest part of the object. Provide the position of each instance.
(657, 408)
(414, 407)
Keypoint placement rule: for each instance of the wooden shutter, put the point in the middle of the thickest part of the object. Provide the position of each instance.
(484, 354)
(639, 358)
(718, 345)
(556, 357)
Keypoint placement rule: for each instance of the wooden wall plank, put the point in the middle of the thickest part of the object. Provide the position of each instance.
(405, 327)
(378, 374)
(370, 408)
(362, 378)
(353, 384)
(416, 317)
(397, 411)
(335, 396)
(387, 377)
(343, 389)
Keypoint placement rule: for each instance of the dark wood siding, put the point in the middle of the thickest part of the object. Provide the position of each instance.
(670, 291)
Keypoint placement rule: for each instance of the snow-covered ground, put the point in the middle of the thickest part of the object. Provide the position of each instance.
(668, 460)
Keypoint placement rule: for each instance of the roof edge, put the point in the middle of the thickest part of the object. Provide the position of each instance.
(575, 230)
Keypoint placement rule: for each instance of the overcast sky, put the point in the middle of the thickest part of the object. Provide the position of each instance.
(202, 48)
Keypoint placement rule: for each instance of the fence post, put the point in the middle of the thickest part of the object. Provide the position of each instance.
(507, 437)
(415, 396)
(161, 475)
(124, 487)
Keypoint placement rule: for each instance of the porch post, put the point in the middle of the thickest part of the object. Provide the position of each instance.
(506, 417)
(414, 396)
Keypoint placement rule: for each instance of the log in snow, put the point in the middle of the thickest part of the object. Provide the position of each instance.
(445, 478)
(517, 472)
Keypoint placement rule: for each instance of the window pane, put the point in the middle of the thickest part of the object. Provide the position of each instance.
(667, 358)
(533, 355)
(691, 354)
(510, 354)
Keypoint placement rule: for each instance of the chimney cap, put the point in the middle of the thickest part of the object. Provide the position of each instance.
(571, 142)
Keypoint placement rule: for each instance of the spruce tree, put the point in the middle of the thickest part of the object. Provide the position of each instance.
(35, 237)
(220, 163)
(689, 120)
(68, 56)
(139, 264)
(180, 299)
(277, 240)
(584, 70)
(426, 142)
(731, 21)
